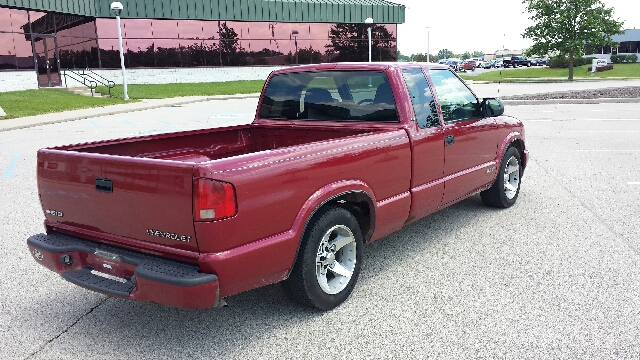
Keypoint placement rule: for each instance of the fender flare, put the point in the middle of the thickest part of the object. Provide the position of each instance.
(515, 136)
(323, 196)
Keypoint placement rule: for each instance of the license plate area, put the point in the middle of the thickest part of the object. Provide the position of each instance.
(108, 265)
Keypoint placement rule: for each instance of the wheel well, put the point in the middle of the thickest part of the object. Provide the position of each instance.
(360, 205)
(518, 144)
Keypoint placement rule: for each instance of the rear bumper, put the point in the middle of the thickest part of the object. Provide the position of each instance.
(124, 273)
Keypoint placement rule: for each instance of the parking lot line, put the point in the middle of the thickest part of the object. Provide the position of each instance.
(603, 150)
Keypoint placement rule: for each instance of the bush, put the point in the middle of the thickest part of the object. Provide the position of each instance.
(602, 68)
(622, 58)
(559, 61)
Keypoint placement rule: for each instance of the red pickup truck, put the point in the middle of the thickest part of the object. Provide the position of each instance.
(338, 155)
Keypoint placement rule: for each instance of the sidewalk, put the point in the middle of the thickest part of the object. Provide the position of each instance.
(481, 90)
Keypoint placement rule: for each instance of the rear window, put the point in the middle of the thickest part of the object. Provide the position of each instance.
(331, 96)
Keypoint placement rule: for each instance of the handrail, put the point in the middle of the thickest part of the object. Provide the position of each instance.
(92, 84)
(106, 82)
(89, 76)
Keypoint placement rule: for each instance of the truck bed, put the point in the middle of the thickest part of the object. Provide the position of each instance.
(213, 144)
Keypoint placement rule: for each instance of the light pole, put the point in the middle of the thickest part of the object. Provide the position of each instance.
(294, 33)
(428, 43)
(369, 21)
(117, 7)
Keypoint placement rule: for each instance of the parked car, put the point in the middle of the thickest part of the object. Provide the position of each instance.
(185, 219)
(538, 62)
(455, 64)
(490, 64)
(469, 65)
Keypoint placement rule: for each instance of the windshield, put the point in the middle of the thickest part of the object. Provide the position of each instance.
(329, 95)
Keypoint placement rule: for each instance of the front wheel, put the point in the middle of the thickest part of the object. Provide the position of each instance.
(504, 191)
(328, 262)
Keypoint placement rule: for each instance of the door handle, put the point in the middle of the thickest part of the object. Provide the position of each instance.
(449, 140)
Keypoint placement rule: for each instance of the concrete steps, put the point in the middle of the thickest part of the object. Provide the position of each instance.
(80, 90)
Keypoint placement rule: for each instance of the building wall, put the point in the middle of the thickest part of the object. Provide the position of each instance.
(18, 80)
(182, 75)
(65, 41)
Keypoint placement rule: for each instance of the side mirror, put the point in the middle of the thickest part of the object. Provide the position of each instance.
(491, 107)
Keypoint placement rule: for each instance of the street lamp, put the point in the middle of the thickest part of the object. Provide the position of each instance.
(294, 33)
(117, 7)
(369, 21)
(428, 43)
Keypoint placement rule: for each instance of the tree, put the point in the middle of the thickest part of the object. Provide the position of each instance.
(564, 26)
(349, 42)
(229, 43)
(402, 57)
(418, 57)
(445, 54)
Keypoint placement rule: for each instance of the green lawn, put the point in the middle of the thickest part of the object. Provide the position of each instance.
(625, 71)
(161, 91)
(44, 101)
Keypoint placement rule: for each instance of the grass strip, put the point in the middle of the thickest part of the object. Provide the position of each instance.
(162, 91)
(43, 101)
(619, 71)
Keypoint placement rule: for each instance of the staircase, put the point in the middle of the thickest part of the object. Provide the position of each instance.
(89, 79)
(81, 90)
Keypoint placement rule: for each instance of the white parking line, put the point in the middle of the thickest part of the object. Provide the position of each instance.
(600, 150)
(605, 131)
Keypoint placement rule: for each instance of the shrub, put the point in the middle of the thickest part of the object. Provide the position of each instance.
(559, 61)
(602, 68)
(617, 59)
(632, 58)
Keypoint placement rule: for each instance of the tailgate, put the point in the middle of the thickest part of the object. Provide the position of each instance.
(142, 199)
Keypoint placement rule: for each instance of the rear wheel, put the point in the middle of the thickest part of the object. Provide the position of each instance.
(328, 262)
(504, 191)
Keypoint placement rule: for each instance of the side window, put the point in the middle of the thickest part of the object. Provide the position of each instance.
(421, 98)
(456, 100)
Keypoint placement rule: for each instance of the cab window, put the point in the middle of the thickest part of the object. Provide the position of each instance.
(331, 96)
(422, 100)
(456, 100)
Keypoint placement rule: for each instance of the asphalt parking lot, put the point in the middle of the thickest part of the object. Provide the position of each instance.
(555, 276)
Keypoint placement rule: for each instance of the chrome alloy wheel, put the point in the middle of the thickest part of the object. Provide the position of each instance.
(336, 259)
(511, 177)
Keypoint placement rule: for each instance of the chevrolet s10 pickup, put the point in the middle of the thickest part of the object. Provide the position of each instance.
(338, 155)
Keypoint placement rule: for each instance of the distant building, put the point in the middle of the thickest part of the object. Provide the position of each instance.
(629, 43)
(182, 38)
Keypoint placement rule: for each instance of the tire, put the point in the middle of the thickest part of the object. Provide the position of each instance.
(505, 189)
(329, 260)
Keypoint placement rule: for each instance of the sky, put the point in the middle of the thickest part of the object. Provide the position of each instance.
(482, 25)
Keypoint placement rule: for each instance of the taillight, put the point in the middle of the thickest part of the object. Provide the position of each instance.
(213, 200)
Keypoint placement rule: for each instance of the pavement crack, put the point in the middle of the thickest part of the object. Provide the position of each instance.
(600, 219)
(66, 329)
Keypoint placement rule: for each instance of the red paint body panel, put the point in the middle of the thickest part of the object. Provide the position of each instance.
(282, 171)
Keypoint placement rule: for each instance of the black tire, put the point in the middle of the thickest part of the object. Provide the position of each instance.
(501, 194)
(304, 283)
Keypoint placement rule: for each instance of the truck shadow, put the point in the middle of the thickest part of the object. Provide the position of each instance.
(120, 328)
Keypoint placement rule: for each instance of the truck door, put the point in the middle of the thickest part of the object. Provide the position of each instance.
(470, 148)
(427, 185)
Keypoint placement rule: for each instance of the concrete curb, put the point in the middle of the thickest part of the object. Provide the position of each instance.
(55, 118)
(572, 101)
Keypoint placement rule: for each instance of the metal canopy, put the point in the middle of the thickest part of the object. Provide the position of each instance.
(311, 11)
